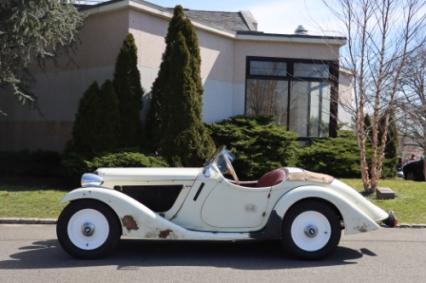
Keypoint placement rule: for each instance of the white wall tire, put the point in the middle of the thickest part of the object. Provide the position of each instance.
(88, 229)
(311, 230)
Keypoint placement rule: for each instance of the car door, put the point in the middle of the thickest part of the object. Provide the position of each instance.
(232, 206)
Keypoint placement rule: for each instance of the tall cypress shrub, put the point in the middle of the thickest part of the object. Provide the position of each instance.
(84, 138)
(108, 120)
(129, 91)
(175, 125)
(97, 121)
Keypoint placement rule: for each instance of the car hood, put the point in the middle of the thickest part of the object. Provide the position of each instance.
(139, 176)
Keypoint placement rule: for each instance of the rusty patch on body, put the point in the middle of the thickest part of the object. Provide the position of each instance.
(164, 233)
(362, 228)
(129, 223)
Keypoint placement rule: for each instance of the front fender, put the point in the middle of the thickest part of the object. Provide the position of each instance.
(140, 222)
(355, 220)
(137, 219)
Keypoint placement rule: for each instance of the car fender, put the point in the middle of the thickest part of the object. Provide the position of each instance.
(138, 221)
(355, 220)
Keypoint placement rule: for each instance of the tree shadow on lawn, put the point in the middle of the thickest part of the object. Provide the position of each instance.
(132, 254)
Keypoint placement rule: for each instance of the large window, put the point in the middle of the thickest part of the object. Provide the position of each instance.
(297, 93)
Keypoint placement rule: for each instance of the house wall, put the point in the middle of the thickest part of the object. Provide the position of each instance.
(242, 49)
(346, 100)
(58, 87)
(217, 54)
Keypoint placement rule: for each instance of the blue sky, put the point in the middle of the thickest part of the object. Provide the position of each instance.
(281, 16)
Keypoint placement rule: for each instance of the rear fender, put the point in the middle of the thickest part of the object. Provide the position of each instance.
(355, 220)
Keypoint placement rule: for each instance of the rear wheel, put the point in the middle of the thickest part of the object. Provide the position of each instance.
(311, 230)
(88, 229)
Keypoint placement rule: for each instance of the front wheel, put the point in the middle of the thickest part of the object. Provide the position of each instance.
(311, 230)
(88, 229)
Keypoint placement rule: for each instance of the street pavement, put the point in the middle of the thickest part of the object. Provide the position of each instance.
(30, 253)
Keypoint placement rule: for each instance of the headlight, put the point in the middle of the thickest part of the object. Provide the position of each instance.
(91, 180)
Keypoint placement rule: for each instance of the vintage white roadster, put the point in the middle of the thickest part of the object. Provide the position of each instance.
(306, 211)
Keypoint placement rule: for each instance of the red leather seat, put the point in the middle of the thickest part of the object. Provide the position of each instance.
(271, 178)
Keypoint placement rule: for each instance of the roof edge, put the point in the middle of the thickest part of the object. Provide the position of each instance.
(295, 38)
(240, 35)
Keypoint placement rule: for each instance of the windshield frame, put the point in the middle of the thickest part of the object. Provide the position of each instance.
(223, 153)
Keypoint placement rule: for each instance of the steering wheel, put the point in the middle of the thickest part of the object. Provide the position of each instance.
(231, 170)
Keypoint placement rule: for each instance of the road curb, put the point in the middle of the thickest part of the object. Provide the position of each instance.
(12, 220)
(412, 225)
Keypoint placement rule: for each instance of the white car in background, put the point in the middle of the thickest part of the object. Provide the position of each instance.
(306, 211)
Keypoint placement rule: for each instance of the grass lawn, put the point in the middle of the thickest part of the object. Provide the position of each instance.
(410, 202)
(24, 201)
(43, 202)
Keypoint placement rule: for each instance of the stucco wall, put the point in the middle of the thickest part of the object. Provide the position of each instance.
(217, 55)
(346, 100)
(58, 87)
(272, 49)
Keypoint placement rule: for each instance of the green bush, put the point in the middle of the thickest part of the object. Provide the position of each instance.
(125, 159)
(174, 123)
(127, 83)
(338, 156)
(96, 123)
(260, 145)
(76, 165)
(30, 163)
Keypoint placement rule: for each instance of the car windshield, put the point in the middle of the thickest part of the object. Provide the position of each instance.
(219, 159)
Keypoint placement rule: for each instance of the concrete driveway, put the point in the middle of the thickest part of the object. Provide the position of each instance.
(30, 253)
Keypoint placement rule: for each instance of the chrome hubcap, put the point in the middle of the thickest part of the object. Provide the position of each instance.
(311, 231)
(87, 229)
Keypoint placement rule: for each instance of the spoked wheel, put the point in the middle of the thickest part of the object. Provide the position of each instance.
(311, 230)
(88, 229)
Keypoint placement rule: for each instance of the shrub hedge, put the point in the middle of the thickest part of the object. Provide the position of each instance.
(30, 163)
(335, 156)
(75, 165)
(260, 145)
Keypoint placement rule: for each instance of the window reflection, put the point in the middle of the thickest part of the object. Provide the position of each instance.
(303, 105)
(311, 70)
(268, 98)
(268, 68)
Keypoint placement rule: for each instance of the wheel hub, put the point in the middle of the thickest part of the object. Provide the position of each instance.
(87, 229)
(311, 231)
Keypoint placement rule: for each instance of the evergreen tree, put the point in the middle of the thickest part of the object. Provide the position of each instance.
(84, 138)
(108, 125)
(175, 126)
(32, 31)
(97, 121)
(129, 91)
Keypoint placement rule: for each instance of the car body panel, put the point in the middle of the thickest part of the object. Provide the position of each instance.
(140, 222)
(232, 206)
(145, 176)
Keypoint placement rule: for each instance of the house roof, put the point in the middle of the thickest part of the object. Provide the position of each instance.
(229, 21)
(222, 20)
(236, 25)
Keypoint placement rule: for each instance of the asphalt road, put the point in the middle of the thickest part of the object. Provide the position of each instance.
(30, 253)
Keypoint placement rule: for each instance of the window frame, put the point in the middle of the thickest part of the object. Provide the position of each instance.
(332, 80)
